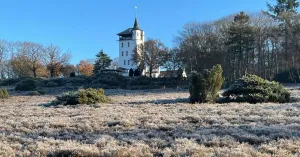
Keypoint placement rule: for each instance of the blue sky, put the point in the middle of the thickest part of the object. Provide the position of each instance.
(86, 26)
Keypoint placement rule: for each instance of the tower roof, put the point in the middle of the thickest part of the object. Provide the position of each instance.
(136, 25)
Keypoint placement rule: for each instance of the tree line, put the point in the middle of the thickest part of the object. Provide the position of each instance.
(264, 43)
(29, 59)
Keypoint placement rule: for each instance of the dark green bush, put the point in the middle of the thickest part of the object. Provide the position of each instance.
(253, 89)
(37, 93)
(26, 85)
(140, 81)
(77, 81)
(204, 87)
(10, 82)
(288, 76)
(52, 84)
(112, 80)
(96, 85)
(82, 96)
(3, 93)
(72, 74)
(56, 82)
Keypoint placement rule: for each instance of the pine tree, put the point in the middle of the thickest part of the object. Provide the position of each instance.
(240, 44)
(103, 61)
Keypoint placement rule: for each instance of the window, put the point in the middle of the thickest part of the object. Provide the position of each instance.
(122, 53)
(128, 44)
(122, 44)
(126, 53)
(128, 62)
(124, 62)
(137, 34)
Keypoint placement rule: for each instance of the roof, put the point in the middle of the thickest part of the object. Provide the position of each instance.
(136, 25)
(126, 32)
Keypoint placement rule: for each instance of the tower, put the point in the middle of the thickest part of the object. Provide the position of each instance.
(129, 39)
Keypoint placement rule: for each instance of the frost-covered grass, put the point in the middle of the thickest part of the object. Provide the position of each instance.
(143, 123)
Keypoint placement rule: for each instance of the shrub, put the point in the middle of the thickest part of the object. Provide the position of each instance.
(82, 96)
(137, 72)
(55, 82)
(253, 89)
(91, 96)
(3, 93)
(72, 74)
(76, 81)
(288, 76)
(26, 85)
(37, 93)
(204, 87)
(9, 82)
(140, 81)
(112, 80)
(52, 84)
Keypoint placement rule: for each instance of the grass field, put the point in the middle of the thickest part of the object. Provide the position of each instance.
(148, 123)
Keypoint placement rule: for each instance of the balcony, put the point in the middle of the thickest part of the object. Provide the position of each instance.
(125, 38)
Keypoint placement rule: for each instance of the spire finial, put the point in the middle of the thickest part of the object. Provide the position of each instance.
(136, 24)
(135, 11)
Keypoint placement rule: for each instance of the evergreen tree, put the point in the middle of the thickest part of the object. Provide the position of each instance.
(131, 73)
(284, 12)
(240, 44)
(102, 62)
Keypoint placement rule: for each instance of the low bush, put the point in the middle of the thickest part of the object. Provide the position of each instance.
(26, 85)
(204, 87)
(10, 82)
(253, 89)
(37, 93)
(140, 81)
(77, 81)
(3, 93)
(73, 74)
(52, 84)
(288, 76)
(108, 80)
(82, 96)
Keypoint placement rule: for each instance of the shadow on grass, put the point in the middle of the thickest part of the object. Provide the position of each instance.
(160, 101)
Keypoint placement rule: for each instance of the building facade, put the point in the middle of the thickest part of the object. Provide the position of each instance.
(129, 39)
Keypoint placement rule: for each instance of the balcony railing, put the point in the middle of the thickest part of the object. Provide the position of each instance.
(125, 38)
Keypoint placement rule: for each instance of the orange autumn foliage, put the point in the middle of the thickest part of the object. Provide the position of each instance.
(85, 68)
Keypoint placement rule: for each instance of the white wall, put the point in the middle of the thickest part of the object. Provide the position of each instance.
(132, 44)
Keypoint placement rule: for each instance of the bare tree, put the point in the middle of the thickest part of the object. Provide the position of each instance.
(3, 58)
(114, 64)
(34, 53)
(54, 58)
(152, 54)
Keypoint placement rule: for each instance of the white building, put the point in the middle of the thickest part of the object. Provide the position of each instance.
(128, 40)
